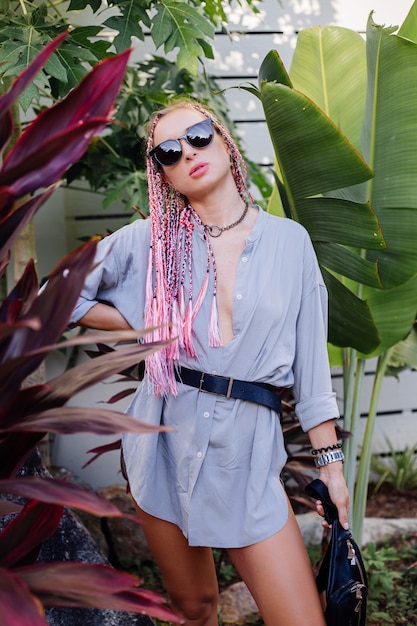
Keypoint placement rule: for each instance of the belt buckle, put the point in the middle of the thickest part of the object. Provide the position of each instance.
(229, 388)
(200, 388)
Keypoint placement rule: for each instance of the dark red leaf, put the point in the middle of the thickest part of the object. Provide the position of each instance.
(91, 337)
(4, 262)
(6, 130)
(13, 223)
(55, 491)
(108, 447)
(76, 584)
(51, 160)
(18, 607)
(65, 386)
(92, 98)
(15, 449)
(85, 107)
(33, 356)
(115, 445)
(53, 307)
(8, 329)
(18, 302)
(22, 538)
(120, 396)
(70, 419)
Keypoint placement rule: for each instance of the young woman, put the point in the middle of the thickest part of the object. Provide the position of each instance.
(241, 292)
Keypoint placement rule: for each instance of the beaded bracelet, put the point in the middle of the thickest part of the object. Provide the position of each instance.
(335, 446)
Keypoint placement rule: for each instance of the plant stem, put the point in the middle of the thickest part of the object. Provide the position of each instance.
(361, 490)
(353, 402)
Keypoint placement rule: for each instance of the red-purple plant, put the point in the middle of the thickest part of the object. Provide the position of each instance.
(31, 324)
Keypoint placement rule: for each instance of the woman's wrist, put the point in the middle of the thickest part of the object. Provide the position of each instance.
(334, 455)
(318, 451)
(331, 470)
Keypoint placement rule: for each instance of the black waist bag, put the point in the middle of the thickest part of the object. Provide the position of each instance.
(341, 576)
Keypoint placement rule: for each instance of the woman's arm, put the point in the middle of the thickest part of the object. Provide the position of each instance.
(104, 317)
(117, 280)
(331, 474)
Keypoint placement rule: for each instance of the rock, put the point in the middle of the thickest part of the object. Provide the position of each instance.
(72, 542)
(125, 538)
(377, 529)
(236, 605)
(311, 528)
(94, 527)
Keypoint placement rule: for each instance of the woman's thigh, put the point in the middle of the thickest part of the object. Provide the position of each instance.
(188, 573)
(279, 575)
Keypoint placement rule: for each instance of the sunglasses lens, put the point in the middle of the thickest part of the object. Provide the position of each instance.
(200, 135)
(168, 152)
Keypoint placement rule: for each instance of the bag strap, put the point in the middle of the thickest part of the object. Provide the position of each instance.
(318, 490)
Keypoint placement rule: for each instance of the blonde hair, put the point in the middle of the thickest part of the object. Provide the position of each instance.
(170, 255)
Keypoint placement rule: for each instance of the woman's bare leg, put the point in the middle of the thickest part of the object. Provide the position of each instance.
(279, 576)
(188, 572)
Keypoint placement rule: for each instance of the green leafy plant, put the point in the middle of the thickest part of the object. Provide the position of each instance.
(114, 165)
(178, 26)
(398, 469)
(331, 119)
(381, 577)
(31, 324)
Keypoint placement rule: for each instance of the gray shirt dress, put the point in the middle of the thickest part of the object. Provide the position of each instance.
(217, 473)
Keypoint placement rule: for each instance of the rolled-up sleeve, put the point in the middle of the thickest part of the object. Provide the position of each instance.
(315, 399)
(118, 275)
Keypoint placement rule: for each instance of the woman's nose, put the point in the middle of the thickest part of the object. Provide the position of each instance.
(187, 150)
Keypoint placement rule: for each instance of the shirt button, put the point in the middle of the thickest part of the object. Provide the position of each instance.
(206, 414)
(244, 259)
(239, 296)
(199, 454)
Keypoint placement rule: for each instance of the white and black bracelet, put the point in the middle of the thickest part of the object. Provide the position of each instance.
(329, 457)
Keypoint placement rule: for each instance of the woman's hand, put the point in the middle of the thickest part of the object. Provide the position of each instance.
(323, 436)
(335, 482)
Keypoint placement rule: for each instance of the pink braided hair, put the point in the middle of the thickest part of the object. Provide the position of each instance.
(172, 224)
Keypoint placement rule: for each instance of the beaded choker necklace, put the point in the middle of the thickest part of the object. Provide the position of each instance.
(215, 231)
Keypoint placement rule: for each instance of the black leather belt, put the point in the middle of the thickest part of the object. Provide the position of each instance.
(261, 393)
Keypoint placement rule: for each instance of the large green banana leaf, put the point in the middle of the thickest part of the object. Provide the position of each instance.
(370, 92)
(329, 66)
(314, 157)
(389, 142)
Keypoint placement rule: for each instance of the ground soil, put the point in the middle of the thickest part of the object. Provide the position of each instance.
(388, 502)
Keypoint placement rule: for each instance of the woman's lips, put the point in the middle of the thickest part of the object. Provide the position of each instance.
(198, 170)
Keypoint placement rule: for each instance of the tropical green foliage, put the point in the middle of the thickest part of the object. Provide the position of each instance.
(358, 203)
(398, 469)
(173, 25)
(31, 325)
(183, 29)
(314, 158)
(382, 577)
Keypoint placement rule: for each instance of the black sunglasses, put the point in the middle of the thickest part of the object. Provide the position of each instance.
(169, 152)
